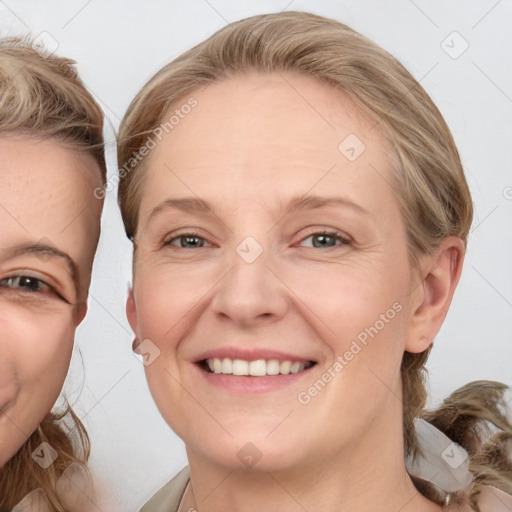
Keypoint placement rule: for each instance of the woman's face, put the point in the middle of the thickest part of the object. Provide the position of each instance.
(270, 241)
(49, 224)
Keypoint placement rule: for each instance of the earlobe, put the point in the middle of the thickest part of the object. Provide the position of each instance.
(131, 310)
(442, 272)
(81, 311)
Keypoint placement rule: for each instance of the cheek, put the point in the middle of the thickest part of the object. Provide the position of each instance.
(348, 301)
(363, 320)
(34, 358)
(169, 302)
(40, 348)
(165, 299)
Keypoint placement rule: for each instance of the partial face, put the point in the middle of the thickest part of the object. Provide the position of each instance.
(270, 243)
(49, 224)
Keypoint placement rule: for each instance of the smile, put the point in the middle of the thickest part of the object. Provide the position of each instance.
(256, 368)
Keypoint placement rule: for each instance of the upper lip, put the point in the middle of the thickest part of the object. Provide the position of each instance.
(250, 355)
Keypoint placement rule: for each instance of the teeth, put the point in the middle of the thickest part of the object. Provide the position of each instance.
(273, 367)
(240, 367)
(258, 368)
(227, 366)
(284, 367)
(295, 367)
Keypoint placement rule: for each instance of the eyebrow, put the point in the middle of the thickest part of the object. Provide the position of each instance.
(310, 202)
(297, 203)
(184, 204)
(49, 251)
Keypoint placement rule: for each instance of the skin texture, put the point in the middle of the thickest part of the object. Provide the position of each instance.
(46, 199)
(252, 144)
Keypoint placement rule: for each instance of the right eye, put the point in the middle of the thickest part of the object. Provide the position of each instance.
(187, 241)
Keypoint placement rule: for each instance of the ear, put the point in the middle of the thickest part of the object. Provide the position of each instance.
(80, 313)
(432, 298)
(131, 310)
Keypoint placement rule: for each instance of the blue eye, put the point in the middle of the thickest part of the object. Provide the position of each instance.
(24, 283)
(326, 239)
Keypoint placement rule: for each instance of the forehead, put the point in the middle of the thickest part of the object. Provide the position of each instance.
(46, 192)
(256, 133)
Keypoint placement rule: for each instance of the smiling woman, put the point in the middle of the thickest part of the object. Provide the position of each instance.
(303, 229)
(51, 160)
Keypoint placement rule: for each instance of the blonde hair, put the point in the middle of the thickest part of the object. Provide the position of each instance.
(475, 417)
(432, 190)
(42, 97)
(21, 475)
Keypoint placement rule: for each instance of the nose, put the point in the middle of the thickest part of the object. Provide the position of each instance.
(251, 293)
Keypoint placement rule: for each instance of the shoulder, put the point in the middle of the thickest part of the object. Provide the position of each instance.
(492, 499)
(168, 498)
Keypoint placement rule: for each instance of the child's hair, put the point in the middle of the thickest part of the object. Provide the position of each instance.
(41, 96)
(432, 190)
(21, 475)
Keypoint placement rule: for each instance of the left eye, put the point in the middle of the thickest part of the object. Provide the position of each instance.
(26, 283)
(326, 239)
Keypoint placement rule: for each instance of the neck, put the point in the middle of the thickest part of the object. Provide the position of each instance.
(370, 476)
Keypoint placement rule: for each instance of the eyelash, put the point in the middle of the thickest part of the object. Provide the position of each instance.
(344, 239)
(13, 283)
(182, 235)
(337, 235)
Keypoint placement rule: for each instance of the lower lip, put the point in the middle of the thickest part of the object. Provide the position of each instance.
(249, 384)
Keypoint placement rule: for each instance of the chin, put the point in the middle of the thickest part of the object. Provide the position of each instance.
(240, 452)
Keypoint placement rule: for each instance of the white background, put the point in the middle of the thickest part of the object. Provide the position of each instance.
(119, 44)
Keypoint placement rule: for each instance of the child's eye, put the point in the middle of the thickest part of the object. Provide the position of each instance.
(326, 239)
(26, 283)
